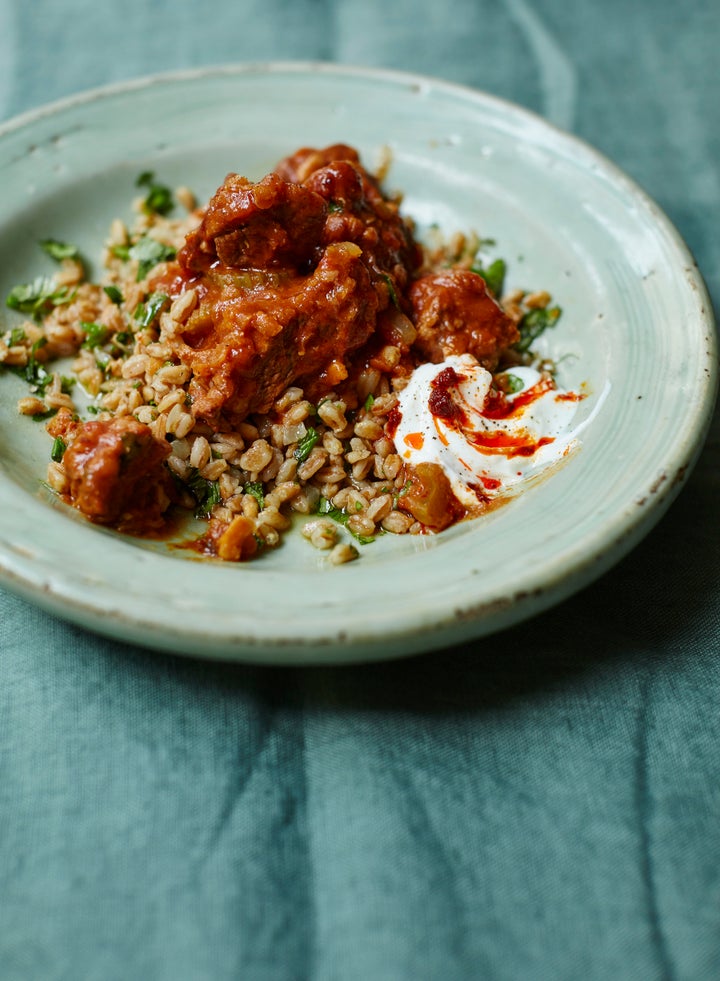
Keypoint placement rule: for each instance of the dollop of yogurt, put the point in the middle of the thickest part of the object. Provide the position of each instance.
(488, 437)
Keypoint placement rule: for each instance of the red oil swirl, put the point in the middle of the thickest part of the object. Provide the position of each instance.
(446, 405)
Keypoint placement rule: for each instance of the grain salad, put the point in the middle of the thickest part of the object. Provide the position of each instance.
(243, 361)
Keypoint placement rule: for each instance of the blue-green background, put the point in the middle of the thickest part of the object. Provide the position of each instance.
(542, 804)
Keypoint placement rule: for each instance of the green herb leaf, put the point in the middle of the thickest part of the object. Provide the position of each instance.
(494, 276)
(509, 383)
(206, 493)
(159, 199)
(16, 336)
(328, 510)
(369, 402)
(149, 252)
(38, 297)
(114, 293)
(533, 324)
(43, 416)
(104, 361)
(148, 311)
(391, 290)
(58, 449)
(37, 377)
(95, 334)
(121, 252)
(255, 489)
(402, 492)
(306, 444)
(59, 250)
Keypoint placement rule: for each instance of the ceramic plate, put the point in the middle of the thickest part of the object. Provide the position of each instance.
(636, 331)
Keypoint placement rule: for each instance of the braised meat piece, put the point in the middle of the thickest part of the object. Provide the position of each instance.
(246, 225)
(293, 273)
(455, 314)
(359, 213)
(358, 210)
(245, 345)
(305, 161)
(116, 475)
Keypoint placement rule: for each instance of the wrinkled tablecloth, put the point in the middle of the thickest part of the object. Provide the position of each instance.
(540, 804)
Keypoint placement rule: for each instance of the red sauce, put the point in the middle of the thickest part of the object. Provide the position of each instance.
(499, 406)
(441, 403)
(507, 444)
(415, 440)
(393, 421)
(490, 483)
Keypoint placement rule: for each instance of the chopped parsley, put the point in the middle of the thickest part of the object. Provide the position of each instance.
(121, 344)
(494, 276)
(39, 297)
(34, 373)
(304, 447)
(58, 449)
(509, 383)
(147, 251)
(159, 199)
(95, 334)
(391, 290)
(369, 402)
(16, 336)
(328, 510)
(148, 311)
(59, 250)
(402, 492)
(255, 489)
(114, 293)
(205, 492)
(533, 324)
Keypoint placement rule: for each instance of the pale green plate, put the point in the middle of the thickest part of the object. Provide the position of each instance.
(637, 329)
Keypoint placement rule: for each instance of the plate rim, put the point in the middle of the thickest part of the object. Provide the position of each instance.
(628, 529)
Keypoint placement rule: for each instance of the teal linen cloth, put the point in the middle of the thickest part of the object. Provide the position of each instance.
(541, 804)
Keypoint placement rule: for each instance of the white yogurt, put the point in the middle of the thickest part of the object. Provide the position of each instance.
(487, 446)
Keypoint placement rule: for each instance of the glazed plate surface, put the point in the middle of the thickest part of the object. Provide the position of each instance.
(636, 332)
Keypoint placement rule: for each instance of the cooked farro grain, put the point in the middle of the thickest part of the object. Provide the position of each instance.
(321, 532)
(336, 457)
(343, 553)
(31, 406)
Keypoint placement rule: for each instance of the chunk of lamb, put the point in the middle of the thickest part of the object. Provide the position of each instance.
(116, 475)
(244, 347)
(292, 278)
(358, 210)
(455, 314)
(305, 161)
(249, 225)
